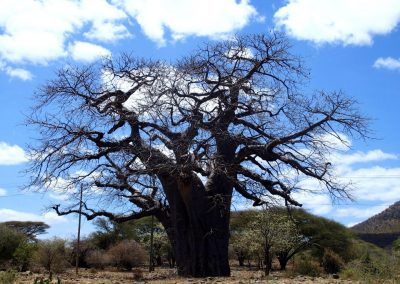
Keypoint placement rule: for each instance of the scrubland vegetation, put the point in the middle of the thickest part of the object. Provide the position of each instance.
(265, 242)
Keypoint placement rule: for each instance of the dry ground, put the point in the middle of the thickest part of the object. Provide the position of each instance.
(164, 275)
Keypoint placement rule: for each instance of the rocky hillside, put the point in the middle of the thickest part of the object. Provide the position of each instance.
(381, 229)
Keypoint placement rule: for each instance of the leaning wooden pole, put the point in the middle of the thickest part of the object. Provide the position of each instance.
(79, 233)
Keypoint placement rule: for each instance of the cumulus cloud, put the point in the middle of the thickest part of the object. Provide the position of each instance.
(387, 63)
(362, 157)
(36, 31)
(3, 192)
(189, 17)
(319, 204)
(39, 32)
(11, 154)
(13, 215)
(19, 73)
(360, 213)
(87, 52)
(107, 32)
(353, 22)
(373, 186)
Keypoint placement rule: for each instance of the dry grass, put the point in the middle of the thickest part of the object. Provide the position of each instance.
(166, 275)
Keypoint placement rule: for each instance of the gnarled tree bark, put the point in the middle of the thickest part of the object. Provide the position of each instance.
(176, 140)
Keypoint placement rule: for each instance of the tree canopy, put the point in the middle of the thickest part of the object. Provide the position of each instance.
(29, 228)
(174, 140)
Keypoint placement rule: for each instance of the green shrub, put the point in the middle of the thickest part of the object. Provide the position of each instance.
(7, 277)
(308, 266)
(23, 255)
(9, 242)
(372, 269)
(51, 255)
(332, 262)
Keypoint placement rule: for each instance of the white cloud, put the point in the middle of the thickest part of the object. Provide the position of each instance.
(338, 21)
(376, 184)
(189, 17)
(351, 224)
(39, 32)
(16, 72)
(387, 63)
(3, 192)
(59, 196)
(371, 183)
(13, 215)
(362, 157)
(60, 188)
(20, 73)
(107, 32)
(320, 204)
(87, 52)
(36, 31)
(360, 213)
(11, 154)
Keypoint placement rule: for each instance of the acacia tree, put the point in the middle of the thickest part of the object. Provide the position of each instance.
(29, 228)
(175, 140)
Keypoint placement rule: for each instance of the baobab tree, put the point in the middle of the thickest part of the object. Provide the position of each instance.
(176, 140)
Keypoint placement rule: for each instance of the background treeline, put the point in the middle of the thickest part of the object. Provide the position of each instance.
(302, 243)
(293, 241)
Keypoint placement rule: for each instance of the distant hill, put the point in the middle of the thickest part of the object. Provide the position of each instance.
(381, 229)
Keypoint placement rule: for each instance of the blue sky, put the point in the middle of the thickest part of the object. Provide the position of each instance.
(349, 45)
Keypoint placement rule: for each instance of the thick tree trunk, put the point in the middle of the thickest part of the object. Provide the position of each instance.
(201, 222)
(283, 260)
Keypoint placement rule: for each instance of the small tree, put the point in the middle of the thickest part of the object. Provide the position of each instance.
(269, 231)
(242, 237)
(291, 243)
(274, 232)
(23, 255)
(161, 244)
(51, 255)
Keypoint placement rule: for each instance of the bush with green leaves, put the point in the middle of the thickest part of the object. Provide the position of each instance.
(8, 277)
(332, 262)
(261, 234)
(10, 240)
(23, 255)
(373, 268)
(52, 255)
(307, 265)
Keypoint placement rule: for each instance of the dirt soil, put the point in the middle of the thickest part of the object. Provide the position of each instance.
(165, 275)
